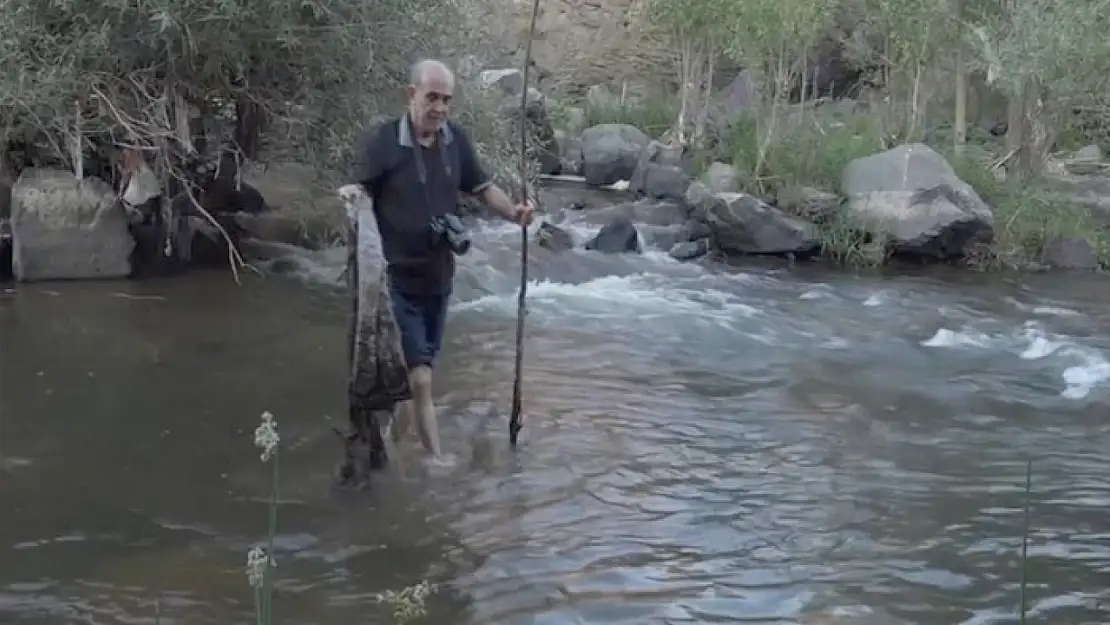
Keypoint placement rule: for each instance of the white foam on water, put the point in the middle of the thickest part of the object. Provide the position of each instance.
(1044, 310)
(1083, 378)
(1056, 311)
(1083, 368)
(618, 298)
(876, 299)
(951, 338)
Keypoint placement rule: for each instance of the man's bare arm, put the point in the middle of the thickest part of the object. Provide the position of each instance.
(499, 201)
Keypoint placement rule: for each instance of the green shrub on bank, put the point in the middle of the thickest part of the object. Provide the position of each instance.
(811, 151)
(1028, 216)
(654, 117)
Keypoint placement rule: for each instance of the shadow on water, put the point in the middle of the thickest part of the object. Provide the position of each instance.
(765, 445)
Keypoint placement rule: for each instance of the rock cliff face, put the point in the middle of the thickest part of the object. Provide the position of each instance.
(586, 42)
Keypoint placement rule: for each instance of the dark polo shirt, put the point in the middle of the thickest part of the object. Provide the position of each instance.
(411, 184)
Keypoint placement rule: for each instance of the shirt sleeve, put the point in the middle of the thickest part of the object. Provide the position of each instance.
(368, 160)
(473, 178)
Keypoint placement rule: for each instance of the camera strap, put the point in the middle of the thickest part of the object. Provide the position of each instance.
(421, 168)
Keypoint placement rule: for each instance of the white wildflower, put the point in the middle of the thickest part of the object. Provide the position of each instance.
(256, 566)
(266, 436)
(409, 603)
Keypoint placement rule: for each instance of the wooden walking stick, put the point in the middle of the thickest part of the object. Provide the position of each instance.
(521, 309)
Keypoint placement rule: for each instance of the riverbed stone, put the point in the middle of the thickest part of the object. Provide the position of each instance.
(554, 238)
(690, 250)
(912, 197)
(647, 211)
(610, 152)
(67, 229)
(743, 224)
(661, 237)
(1069, 252)
(616, 237)
(659, 172)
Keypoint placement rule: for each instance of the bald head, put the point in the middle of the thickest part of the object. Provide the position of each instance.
(430, 69)
(430, 90)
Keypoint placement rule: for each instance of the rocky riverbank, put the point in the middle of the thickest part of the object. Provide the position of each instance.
(870, 205)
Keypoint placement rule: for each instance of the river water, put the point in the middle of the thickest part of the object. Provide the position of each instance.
(758, 444)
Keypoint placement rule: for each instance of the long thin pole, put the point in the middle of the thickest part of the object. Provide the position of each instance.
(521, 309)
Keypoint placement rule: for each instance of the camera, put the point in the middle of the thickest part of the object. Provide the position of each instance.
(450, 228)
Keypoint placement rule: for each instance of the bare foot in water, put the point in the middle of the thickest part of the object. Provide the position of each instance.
(441, 461)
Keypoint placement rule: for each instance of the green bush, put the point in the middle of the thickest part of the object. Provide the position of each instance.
(811, 149)
(654, 117)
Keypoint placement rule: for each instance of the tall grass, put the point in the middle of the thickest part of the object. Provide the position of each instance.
(653, 117)
(406, 605)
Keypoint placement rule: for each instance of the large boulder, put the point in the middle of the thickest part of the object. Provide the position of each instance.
(659, 173)
(67, 229)
(717, 178)
(610, 152)
(509, 80)
(742, 224)
(913, 197)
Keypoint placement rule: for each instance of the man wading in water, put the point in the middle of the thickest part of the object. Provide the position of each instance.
(413, 167)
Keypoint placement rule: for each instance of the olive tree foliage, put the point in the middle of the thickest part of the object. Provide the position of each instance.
(915, 44)
(179, 81)
(775, 40)
(1051, 58)
(697, 32)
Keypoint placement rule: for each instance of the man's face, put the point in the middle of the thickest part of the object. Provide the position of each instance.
(430, 100)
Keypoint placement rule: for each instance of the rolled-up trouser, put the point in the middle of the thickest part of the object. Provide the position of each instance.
(421, 319)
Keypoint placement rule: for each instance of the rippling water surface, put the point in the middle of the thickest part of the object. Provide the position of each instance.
(758, 445)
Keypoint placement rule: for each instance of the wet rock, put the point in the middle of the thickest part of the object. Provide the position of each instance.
(911, 195)
(746, 225)
(664, 181)
(661, 237)
(811, 204)
(699, 197)
(616, 237)
(1087, 161)
(690, 250)
(554, 238)
(570, 150)
(695, 229)
(646, 211)
(659, 173)
(1069, 253)
(610, 152)
(67, 229)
